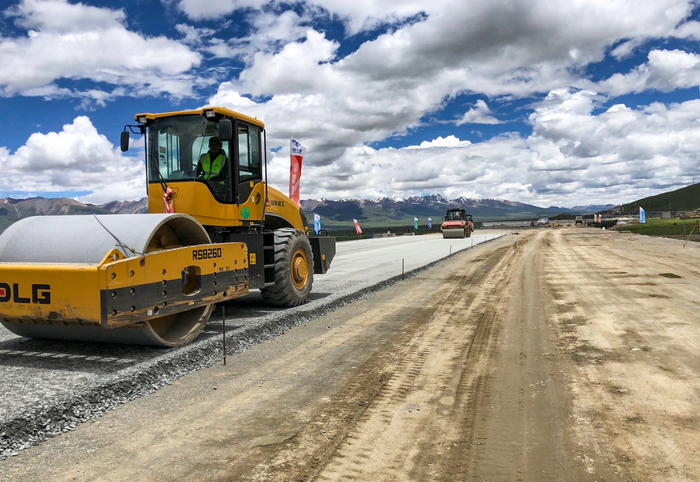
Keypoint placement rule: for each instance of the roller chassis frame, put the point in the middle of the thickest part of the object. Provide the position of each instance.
(260, 242)
(121, 291)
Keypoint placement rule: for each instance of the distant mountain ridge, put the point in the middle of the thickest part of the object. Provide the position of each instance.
(12, 210)
(387, 210)
(334, 212)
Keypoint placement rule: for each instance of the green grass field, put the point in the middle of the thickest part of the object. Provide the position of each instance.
(673, 228)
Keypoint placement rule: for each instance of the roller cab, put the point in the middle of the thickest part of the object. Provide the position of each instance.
(211, 160)
(230, 196)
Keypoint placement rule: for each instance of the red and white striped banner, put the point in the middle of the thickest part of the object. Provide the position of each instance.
(357, 226)
(296, 155)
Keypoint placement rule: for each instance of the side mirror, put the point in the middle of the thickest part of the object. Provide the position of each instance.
(125, 141)
(225, 130)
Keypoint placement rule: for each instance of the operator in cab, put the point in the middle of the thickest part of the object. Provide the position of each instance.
(213, 165)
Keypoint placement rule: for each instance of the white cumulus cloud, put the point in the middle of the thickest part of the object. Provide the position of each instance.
(76, 41)
(572, 156)
(390, 84)
(479, 114)
(77, 158)
(448, 141)
(215, 9)
(665, 70)
(339, 99)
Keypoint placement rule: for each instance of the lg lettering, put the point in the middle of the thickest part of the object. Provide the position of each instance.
(41, 294)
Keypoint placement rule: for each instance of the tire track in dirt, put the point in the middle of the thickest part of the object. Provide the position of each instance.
(522, 432)
(379, 429)
(471, 384)
(391, 440)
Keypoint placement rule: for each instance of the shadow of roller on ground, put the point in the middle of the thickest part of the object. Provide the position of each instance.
(133, 372)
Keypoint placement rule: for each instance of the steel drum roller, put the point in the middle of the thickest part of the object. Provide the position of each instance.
(87, 240)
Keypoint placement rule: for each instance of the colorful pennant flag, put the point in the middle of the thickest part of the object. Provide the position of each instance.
(296, 155)
(357, 226)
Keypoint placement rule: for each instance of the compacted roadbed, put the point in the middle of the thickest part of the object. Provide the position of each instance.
(551, 355)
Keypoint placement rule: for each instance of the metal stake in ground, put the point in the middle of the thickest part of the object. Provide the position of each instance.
(402, 267)
(223, 325)
(697, 226)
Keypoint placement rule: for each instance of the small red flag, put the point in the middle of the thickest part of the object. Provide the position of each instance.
(296, 155)
(357, 226)
(168, 206)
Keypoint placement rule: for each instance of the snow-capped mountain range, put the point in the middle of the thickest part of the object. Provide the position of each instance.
(332, 211)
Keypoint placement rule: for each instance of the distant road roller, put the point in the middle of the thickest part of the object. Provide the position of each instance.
(215, 230)
(457, 224)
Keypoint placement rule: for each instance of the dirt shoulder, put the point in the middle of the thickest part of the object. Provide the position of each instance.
(553, 355)
(628, 308)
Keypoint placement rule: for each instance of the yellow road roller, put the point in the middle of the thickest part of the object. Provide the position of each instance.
(215, 230)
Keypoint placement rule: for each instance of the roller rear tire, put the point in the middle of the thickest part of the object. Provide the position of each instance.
(294, 269)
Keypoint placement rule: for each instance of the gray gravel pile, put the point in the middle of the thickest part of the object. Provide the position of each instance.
(49, 387)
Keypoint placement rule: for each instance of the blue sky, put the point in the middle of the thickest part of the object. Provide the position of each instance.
(551, 103)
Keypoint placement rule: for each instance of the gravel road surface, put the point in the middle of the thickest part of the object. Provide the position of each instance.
(553, 355)
(49, 387)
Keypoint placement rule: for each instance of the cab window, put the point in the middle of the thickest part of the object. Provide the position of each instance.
(248, 153)
(178, 146)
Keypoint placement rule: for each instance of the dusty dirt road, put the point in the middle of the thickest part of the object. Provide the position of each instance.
(551, 355)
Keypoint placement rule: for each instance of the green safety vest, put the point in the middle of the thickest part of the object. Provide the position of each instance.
(212, 170)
